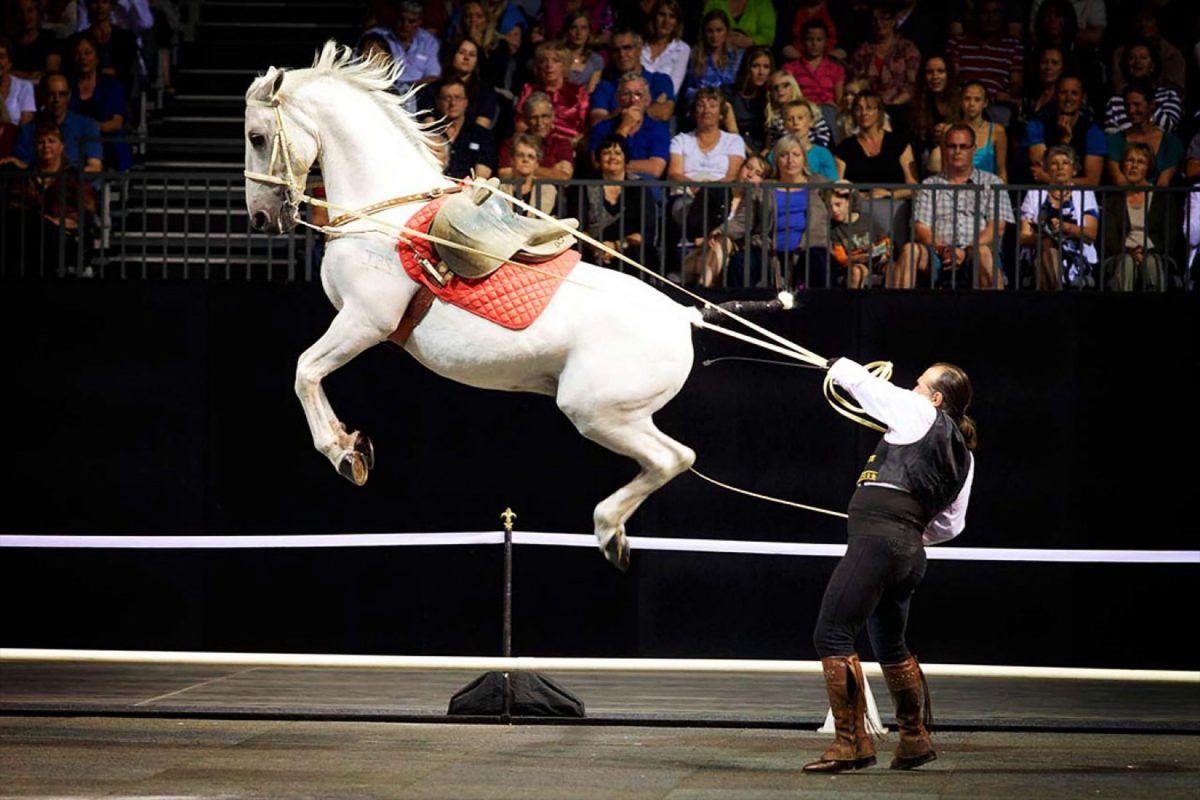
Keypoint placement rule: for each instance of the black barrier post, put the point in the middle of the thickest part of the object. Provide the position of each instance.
(506, 637)
(500, 694)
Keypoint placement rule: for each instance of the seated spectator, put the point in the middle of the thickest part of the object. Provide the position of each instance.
(411, 44)
(738, 240)
(1164, 146)
(1059, 226)
(557, 154)
(857, 244)
(844, 125)
(16, 93)
(526, 156)
(821, 79)
(955, 228)
(586, 63)
(746, 114)
(801, 223)
(647, 141)
(44, 222)
(117, 48)
(570, 100)
(1055, 24)
(622, 217)
(1090, 16)
(1040, 94)
(1138, 228)
(705, 155)
(664, 50)
(470, 148)
(938, 103)
(799, 116)
(80, 135)
(991, 142)
(753, 25)
(714, 61)
(1141, 66)
(873, 154)
(1173, 66)
(814, 11)
(502, 17)
(888, 61)
(494, 37)
(625, 56)
(100, 97)
(33, 51)
(781, 90)
(991, 56)
(1066, 123)
(555, 17)
(461, 59)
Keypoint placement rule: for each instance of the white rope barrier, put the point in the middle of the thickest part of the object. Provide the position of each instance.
(11, 655)
(583, 540)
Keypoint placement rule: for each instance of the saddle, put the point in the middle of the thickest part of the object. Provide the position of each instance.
(483, 220)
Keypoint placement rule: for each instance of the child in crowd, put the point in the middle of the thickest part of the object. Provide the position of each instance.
(857, 244)
(799, 119)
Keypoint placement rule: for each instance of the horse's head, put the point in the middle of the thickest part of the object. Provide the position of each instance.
(280, 151)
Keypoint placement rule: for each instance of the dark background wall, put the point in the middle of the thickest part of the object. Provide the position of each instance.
(168, 408)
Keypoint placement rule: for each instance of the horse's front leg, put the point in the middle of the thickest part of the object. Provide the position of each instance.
(350, 333)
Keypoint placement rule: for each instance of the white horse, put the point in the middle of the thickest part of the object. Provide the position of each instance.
(610, 349)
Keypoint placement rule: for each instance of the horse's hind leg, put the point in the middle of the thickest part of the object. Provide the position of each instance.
(660, 457)
(348, 335)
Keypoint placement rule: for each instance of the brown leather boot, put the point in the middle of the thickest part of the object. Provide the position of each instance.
(909, 690)
(853, 748)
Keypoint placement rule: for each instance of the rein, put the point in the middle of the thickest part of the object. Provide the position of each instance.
(295, 184)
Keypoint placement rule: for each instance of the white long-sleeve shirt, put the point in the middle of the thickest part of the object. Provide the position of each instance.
(908, 417)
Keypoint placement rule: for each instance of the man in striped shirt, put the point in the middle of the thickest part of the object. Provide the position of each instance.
(990, 56)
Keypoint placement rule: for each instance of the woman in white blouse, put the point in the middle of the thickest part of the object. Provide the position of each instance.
(1059, 226)
(705, 155)
(665, 51)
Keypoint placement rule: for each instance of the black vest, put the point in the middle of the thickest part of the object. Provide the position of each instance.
(932, 469)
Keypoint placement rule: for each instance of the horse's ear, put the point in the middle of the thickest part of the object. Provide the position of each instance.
(278, 83)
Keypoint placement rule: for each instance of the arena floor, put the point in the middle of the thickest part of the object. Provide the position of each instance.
(158, 731)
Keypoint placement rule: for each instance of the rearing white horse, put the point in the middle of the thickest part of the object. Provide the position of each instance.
(609, 348)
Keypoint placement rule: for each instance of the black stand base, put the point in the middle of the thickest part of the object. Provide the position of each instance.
(529, 694)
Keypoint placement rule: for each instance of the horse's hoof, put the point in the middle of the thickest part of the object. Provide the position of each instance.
(616, 550)
(363, 446)
(353, 467)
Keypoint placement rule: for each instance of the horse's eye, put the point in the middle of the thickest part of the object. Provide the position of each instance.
(257, 139)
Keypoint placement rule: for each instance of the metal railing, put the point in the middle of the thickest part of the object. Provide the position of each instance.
(193, 226)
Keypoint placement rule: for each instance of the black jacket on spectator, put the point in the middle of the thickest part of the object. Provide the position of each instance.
(473, 145)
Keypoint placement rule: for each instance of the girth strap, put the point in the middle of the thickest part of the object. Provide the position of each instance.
(418, 307)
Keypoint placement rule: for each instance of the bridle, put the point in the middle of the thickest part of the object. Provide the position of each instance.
(294, 181)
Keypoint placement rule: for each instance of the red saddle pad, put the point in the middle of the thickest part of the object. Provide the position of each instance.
(512, 296)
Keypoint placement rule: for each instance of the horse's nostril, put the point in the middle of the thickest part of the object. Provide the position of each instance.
(259, 220)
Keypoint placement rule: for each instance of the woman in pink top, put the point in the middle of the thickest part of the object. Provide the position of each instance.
(570, 99)
(820, 78)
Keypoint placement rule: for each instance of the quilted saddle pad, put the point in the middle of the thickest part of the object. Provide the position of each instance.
(513, 296)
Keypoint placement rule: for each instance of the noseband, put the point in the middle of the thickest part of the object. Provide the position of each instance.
(293, 181)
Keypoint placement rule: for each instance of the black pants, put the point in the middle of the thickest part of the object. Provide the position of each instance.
(874, 582)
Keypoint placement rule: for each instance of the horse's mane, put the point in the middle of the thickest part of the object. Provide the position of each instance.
(373, 77)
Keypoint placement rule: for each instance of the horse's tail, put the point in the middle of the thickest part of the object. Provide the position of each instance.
(783, 302)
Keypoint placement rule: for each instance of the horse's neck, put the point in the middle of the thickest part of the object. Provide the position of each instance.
(365, 156)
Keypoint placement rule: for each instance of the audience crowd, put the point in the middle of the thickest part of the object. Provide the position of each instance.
(872, 141)
(895, 126)
(73, 78)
